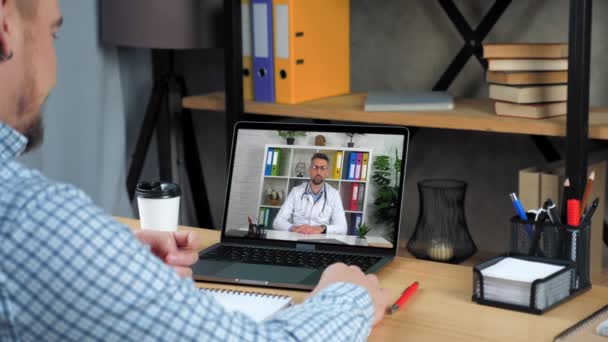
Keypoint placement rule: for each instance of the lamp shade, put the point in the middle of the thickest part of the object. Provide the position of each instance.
(162, 24)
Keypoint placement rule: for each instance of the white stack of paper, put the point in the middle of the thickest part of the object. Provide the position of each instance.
(510, 281)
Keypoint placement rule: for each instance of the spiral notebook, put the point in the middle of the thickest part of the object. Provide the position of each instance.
(586, 329)
(258, 306)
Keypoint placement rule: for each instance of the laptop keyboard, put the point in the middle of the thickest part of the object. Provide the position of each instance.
(282, 257)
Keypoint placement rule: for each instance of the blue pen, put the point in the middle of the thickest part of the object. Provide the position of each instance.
(522, 213)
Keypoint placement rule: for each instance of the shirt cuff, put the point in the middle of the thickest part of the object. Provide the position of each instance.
(346, 293)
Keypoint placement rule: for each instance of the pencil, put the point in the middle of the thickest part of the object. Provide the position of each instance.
(564, 199)
(587, 192)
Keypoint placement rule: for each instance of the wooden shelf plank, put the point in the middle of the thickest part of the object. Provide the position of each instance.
(468, 114)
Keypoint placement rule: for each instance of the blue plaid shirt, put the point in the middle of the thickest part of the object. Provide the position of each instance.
(69, 272)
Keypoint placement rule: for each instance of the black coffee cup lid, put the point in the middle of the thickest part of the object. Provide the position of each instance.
(157, 190)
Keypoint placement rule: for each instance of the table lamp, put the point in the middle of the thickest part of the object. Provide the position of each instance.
(165, 26)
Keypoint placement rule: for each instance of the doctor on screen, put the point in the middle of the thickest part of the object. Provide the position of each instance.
(313, 207)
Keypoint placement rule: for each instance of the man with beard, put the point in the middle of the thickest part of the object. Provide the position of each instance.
(69, 272)
(313, 207)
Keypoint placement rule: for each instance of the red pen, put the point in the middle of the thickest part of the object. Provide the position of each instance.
(404, 297)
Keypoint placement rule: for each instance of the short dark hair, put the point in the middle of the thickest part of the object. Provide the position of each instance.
(320, 156)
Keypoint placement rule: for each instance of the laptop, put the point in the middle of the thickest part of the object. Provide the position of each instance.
(295, 206)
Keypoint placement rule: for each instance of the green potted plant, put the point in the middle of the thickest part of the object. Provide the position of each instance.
(362, 230)
(290, 136)
(387, 191)
(351, 143)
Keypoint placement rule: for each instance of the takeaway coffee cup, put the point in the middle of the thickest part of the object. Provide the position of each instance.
(158, 204)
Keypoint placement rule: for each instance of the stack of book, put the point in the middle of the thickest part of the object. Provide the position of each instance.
(528, 80)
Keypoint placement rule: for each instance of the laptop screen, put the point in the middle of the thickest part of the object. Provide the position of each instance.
(316, 184)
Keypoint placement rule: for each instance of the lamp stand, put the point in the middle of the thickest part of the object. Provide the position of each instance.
(174, 127)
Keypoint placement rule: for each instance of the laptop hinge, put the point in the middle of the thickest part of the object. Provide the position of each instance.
(304, 247)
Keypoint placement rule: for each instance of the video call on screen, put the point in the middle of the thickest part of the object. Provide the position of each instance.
(320, 187)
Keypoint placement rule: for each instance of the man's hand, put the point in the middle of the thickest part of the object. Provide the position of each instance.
(340, 273)
(177, 249)
(306, 229)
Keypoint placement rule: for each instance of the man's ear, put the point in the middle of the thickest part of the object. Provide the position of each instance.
(5, 50)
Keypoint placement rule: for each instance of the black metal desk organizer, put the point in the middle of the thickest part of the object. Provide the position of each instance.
(556, 244)
(257, 231)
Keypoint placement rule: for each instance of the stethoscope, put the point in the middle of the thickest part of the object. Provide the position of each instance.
(324, 197)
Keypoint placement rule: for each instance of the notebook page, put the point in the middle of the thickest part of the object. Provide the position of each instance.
(258, 306)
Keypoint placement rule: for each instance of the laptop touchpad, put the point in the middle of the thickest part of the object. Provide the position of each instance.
(275, 274)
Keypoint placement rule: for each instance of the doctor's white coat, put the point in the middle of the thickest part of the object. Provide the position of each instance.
(299, 208)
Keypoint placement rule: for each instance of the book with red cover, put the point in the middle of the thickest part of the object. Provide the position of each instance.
(354, 198)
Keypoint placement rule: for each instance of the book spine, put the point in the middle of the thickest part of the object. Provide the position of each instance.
(337, 165)
(269, 158)
(354, 197)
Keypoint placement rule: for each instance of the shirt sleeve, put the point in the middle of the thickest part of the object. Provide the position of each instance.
(281, 221)
(338, 218)
(76, 274)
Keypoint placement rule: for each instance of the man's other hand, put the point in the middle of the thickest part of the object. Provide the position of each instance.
(177, 249)
(341, 273)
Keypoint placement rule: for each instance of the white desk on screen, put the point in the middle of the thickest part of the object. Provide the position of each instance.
(372, 241)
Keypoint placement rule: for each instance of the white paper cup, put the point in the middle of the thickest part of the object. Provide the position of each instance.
(158, 204)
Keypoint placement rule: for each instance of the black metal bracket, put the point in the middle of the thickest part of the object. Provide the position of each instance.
(164, 103)
(473, 38)
(578, 95)
(233, 69)
(546, 148)
(473, 46)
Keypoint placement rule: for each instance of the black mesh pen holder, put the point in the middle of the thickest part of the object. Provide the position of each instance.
(554, 241)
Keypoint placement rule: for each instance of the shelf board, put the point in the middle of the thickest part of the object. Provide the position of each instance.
(353, 212)
(468, 114)
(270, 206)
(278, 177)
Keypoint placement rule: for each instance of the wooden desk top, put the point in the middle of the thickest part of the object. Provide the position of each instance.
(442, 309)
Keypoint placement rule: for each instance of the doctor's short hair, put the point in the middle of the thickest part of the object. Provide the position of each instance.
(320, 156)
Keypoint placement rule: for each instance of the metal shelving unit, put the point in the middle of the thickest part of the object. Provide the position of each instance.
(577, 125)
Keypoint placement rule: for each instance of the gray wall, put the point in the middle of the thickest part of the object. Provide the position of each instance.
(406, 45)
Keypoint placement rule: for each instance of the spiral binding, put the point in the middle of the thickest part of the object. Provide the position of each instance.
(581, 324)
(246, 293)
